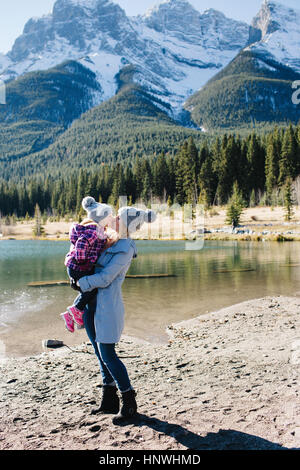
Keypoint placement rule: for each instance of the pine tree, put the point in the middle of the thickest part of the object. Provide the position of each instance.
(118, 188)
(186, 173)
(81, 189)
(288, 199)
(38, 230)
(180, 159)
(235, 206)
(272, 160)
(71, 196)
(207, 182)
(203, 155)
(243, 168)
(138, 176)
(225, 170)
(146, 192)
(288, 165)
(160, 176)
(171, 186)
(252, 199)
(191, 170)
(256, 160)
(129, 183)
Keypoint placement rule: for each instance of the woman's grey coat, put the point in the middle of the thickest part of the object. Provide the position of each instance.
(110, 273)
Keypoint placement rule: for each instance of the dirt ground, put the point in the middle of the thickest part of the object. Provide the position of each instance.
(227, 380)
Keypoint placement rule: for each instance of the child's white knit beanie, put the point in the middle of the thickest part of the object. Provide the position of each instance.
(96, 210)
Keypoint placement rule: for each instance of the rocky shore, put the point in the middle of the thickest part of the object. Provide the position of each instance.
(225, 380)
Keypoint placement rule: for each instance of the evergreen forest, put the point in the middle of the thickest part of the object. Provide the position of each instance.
(203, 172)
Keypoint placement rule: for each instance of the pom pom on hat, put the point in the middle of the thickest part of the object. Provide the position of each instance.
(95, 210)
(88, 202)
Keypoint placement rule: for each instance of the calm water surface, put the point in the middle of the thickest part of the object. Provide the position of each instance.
(219, 275)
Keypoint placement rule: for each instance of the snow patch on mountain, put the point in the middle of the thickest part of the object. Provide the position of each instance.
(4, 62)
(85, 3)
(106, 67)
(280, 34)
(174, 48)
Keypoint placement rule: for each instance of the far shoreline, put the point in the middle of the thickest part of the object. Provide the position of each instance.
(257, 224)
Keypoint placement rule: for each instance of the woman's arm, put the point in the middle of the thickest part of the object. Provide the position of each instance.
(108, 273)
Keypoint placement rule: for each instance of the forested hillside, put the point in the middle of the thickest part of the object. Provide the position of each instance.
(40, 106)
(127, 125)
(250, 92)
(199, 172)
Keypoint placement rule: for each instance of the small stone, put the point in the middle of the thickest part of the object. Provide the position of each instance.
(11, 381)
(17, 419)
(95, 428)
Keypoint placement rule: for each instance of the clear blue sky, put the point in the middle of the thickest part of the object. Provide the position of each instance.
(15, 13)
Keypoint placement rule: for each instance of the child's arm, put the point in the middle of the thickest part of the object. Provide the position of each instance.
(82, 247)
(72, 234)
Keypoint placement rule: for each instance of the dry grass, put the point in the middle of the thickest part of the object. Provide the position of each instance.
(258, 219)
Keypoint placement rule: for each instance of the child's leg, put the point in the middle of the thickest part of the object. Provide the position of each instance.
(84, 297)
(72, 314)
(79, 304)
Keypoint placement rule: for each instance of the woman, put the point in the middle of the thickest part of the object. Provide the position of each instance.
(105, 322)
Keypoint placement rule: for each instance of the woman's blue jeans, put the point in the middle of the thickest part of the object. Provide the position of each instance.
(111, 367)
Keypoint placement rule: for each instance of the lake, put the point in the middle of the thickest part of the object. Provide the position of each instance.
(219, 275)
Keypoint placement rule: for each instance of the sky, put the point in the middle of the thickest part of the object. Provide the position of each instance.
(15, 13)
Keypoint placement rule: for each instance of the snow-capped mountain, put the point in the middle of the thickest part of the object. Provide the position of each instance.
(255, 88)
(277, 38)
(174, 49)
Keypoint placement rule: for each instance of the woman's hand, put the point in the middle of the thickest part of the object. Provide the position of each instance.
(75, 285)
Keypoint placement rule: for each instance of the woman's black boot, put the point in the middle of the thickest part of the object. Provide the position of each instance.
(110, 402)
(129, 407)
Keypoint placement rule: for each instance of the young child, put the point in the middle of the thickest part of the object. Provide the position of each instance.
(88, 239)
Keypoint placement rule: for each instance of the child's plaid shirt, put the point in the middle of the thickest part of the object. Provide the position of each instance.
(88, 242)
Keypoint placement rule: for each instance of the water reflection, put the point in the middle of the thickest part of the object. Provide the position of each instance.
(221, 274)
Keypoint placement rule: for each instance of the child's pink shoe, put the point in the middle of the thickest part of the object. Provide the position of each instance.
(77, 315)
(69, 321)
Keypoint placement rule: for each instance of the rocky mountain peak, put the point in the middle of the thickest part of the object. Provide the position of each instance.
(274, 16)
(165, 15)
(275, 34)
(73, 23)
(264, 20)
(211, 28)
